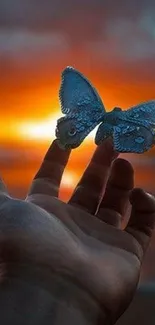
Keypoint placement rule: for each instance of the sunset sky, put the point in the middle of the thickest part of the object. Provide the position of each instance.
(111, 42)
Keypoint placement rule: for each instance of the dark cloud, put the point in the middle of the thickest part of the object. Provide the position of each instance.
(76, 17)
(35, 34)
(79, 20)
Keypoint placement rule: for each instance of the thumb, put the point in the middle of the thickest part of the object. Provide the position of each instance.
(142, 220)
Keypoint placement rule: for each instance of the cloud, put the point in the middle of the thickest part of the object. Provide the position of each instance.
(134, 41)
(24, 46)
(41, 14)
(22, 41)
(82, 20)
(26, 56)
(39, 38)
(124, 29)
(44, 15)
(126, 40)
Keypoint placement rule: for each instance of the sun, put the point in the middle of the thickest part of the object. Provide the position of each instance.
(36, 130)
(42, 130)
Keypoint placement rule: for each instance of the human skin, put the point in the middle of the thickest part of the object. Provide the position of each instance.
(77, 251)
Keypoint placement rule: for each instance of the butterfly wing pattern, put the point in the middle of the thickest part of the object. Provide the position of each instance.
(143, 113)
(132, 138)
(135, 131)
(82, 107)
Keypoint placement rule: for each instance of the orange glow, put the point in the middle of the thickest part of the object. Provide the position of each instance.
(38, 130)
(30, 109)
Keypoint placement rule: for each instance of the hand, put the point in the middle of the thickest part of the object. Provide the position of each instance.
(83, 240)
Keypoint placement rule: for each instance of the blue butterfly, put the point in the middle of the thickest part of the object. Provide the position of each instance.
(132, 130)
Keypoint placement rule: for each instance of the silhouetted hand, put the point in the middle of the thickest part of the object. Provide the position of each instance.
(81, 241)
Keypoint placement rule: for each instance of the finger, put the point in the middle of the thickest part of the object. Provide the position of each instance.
(48, 178)
(116, 198)
(91, 186)
(142, 220)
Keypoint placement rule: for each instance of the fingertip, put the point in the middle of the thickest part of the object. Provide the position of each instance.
(123, 164)
(122, 174)
(142, 201)
(55, 153)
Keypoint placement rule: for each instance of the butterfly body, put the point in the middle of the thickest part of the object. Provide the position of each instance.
(132, 130)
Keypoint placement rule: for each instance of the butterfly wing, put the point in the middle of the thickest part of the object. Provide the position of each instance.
(82, 107)
(105, 130)
(143, 113)
(76, 93)
(70, 131)
(128, 137)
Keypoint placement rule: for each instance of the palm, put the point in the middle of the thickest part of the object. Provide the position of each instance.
(107, 252)
(83, 238)
(107, 248)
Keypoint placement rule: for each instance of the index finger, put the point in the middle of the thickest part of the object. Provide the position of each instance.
(48, 178)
